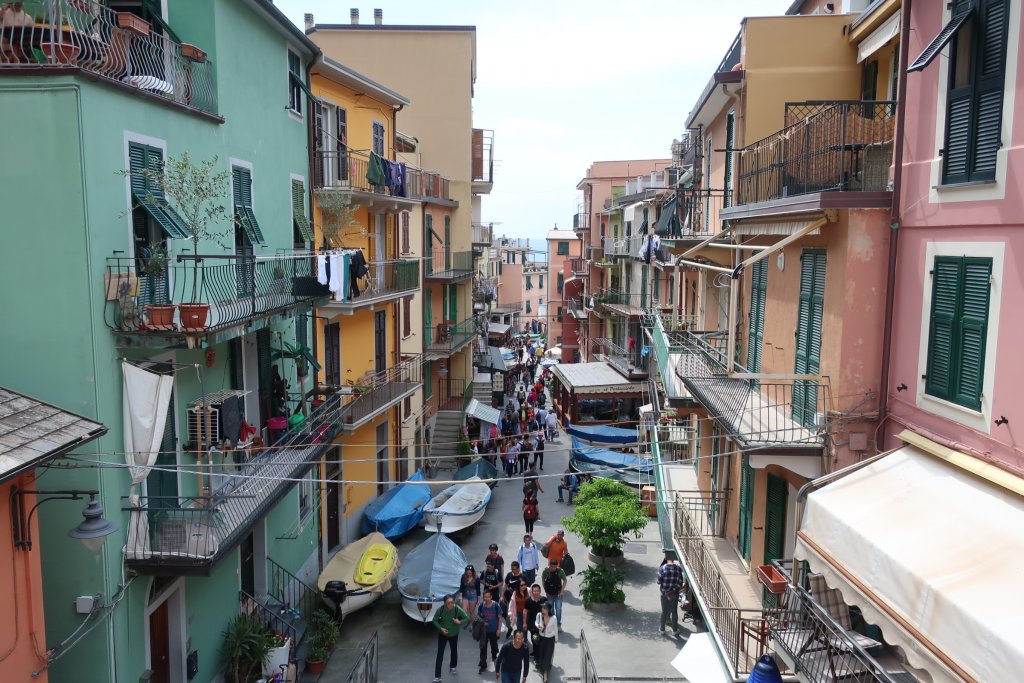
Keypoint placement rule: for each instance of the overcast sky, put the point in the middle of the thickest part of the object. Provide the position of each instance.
(563, 83)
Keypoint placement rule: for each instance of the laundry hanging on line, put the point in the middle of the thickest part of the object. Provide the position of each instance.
(340, 271)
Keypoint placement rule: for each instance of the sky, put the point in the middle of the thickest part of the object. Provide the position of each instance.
(564, 83)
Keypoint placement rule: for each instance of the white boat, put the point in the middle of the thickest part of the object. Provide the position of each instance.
(430, 571)
(358, 574)
(457, 507)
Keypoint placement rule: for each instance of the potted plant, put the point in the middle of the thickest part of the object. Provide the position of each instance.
(303, 357)
(245, 648)
(277, 658)
(316, 657)
(324, 630)
(154, 267)
(336, 214)
(133, 24)
(602, 585)
(193, 53)
(605, 512)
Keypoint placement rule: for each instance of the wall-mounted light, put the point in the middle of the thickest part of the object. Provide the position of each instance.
(92, 531)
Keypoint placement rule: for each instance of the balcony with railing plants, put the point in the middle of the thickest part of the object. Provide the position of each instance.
(372, 178)
(384, 281)
(375, 393)
(444, 264)
(841, 150)
(444, 338)
(202, 295)
(119, 48)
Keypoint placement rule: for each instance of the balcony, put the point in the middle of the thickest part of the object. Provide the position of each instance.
(171, 536)
(428, 186)
(87, 36)
(622, 246)
(581, 221)
(580, 267)
(503, 307)
(511, 243)
(698, 217)
(779, 414)
(834, 155)
(625, 304)
(385, 281)
(441, 340)
(483, 160)
(443, 264)
(483, 233)
(240, 294)
(819, 649)
(374, 394)
(343, 169)
(577, 308)
(631, 364)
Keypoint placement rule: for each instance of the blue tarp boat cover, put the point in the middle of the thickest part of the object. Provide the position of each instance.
(603, 434)
(432, 569)
(398, 510)
(478, 468)
(607, 458)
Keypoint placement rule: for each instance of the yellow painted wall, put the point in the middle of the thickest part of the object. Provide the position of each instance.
(362, 110)
(358, 452)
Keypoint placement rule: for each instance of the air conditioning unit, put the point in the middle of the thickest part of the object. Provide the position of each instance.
(196, 431)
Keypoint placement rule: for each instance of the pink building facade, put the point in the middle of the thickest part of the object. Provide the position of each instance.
(563, 246)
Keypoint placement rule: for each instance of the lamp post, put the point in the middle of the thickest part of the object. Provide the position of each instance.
(92, 531)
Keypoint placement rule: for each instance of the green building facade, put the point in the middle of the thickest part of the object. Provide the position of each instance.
(75, 241)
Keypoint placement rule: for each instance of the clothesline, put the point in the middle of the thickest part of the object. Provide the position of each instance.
(340, 270)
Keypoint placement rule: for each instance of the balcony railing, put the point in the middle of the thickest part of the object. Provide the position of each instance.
(483, 155)
(427, 185)
(632, 363)
(507, 307)
(483, 233)
(581, 221)
(236, 290)
(378, 392)
(623, 246)
(818, 647)
(444, 264)
(511, 242)
(838, 147)
(625, 303)
(87, 35)
(578, 308)
(384, 280)
(579, 266)
(343, 168)
(446, 337)
(699, 214)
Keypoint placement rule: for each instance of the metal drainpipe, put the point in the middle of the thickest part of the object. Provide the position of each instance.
(894, 236)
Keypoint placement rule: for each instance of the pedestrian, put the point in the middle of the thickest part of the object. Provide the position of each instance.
(517, 607)
(532, 479)
(529, 559)
(544, 647)
(552, 424)
(469, 591)
(554, 581)
(511, 459)
(513, 662)
(522, 456)
(531, 511)
(489, 612)
(448, 620)
(570, 483)
(490, 580)
(495, 557)
(557, 547)
(670, 581)
(533, 605)
(539, 451)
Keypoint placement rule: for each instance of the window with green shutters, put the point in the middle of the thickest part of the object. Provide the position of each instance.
(563, 248)
(755, 326)
(241, 190)
(561, 282)
(453, 302)
(145, 162)
(540, 281)
(958, 329)
(774, 525)
(808, 335)
(301, 223)
(974, 105)
(529, 282)
(730, 134)
(746, 507)
(428, 376)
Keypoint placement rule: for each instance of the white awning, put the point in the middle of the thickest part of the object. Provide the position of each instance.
(498, 328)
(482, 412)
(775, 227)
(879, 37)
(629, 213)
(929, 544)
(698, 661)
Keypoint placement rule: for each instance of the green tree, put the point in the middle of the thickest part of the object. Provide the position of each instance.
(606, 512)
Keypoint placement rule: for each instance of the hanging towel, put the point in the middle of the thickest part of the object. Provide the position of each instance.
(335, 282)
(346, 275)
(321, 270)
(375, 170)
(401, 180)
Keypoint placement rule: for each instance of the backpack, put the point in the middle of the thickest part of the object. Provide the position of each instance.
(530, 509)
(552, 581)
(567, 565)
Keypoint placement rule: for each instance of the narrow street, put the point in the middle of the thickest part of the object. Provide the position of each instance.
(619, 640)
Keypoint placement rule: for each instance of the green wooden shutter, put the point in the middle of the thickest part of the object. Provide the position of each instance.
(447, 242)
(143, 160)
(755, 332)
(991, 65)
(561, 282)
(241, 190)
(972, 332)
(730, 133)
(137, 165)
(643, 286)
(299, 210)
(775, 519)
(746, 507)
(428, 379)
(453, 302)
(540, 282)
(808, 334)
(945, 300)
(428, 317)
(716, 469)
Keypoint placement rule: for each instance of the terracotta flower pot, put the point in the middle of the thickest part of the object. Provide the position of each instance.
(133, 24)
(193, 53)
(161, 316)
(62, 53)
(315, 666)
(193, 316)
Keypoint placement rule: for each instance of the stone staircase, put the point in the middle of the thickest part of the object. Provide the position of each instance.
(482, 388)
(444, 443)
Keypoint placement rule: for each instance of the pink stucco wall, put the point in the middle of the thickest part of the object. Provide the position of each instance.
(966, 216)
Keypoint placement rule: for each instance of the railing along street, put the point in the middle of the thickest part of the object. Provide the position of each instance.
(117, 46)
(365, 669)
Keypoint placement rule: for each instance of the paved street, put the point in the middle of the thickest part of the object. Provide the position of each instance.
(619, 640)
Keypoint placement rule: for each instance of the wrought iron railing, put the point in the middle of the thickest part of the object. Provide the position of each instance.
(623, 246)
(287, 592)
(699, 211)
(630, 361)
(579, 266)
(287, 623)
(444, 264)
(378, 392)
(383, 279)
(613, 297)
(427, 185)
(581, 221)
(365, 669)
(449, 336)
(341, 167)
(844, 146)
(118, 46)
(507, 307)
(233, 289)
(483, 233)
(588, 671)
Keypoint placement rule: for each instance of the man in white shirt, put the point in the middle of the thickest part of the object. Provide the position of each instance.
(529, 559)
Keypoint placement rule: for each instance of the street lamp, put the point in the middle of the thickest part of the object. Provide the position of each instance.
(92, 531)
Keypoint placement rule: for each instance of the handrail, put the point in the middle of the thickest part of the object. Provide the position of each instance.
(290, 592)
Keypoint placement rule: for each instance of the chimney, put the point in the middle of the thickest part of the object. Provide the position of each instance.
(378, 16)
(354, 14)
(309, 21)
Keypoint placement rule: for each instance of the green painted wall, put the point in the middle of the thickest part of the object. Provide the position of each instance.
(64, 215)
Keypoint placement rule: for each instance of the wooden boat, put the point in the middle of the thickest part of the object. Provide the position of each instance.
(358, 574)
(430, 571)
(457, 507)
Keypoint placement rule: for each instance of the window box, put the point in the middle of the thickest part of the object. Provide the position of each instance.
(193, 53)
(772, 579)
(133, 24)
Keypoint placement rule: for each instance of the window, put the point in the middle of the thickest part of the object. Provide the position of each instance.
(558, 341)
(808, 334)
(563, 248)
(561, 282)
(529, 282)
(407, 407)
(294, 83)
(405, 233)
(378, 138)
(529, 307)
(302, 232)
(145, 163)
(977, 33)
(958, 329)
(755, 323)
(559, 314)
(406, 317)
(241, 190)
(730, 134)
(540, 283)
(540, 301)
(428, 380)
(332, 354)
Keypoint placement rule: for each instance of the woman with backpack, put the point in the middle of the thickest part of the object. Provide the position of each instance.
(531, 511)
